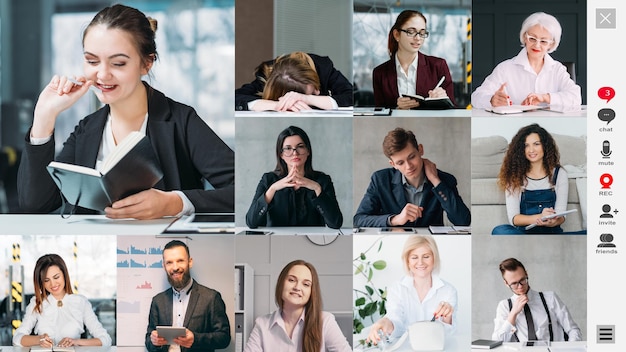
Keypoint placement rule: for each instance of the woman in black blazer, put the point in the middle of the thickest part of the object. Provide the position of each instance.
(189, 152)
(294, 194)
(329, 88)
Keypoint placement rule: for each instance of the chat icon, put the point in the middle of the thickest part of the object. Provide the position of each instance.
(606, 115)
(606, 93)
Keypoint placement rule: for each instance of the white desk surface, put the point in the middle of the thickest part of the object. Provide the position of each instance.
(376, 231)
(348, 112)
(81, 349)
(293, 230)
(343, 112)
(536, 113)
(456, 343)
(556, 346)
(54, 224)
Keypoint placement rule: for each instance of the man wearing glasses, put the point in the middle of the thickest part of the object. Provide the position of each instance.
(529, 315)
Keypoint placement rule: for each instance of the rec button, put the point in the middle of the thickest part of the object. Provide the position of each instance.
(605, 333)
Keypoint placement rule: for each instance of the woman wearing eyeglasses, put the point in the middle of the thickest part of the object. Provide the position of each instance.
(408, 71)
(532, 77)
(294, 194)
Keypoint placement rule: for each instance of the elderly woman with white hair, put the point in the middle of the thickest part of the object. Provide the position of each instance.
(421, 295)
(532, 77)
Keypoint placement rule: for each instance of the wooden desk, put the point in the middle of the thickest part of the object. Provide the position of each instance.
(54, 224)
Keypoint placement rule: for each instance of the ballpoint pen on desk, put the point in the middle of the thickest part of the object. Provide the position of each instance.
(92, 88)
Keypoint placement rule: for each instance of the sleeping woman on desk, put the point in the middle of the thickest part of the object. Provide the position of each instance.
(294, 82)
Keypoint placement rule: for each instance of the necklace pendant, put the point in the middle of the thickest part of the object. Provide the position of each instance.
(59, 304)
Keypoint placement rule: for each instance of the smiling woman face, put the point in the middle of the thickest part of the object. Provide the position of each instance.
(54, 282)
(533, 149)
(297, 287)
(538, 41)
(421, 262)
(113, 62)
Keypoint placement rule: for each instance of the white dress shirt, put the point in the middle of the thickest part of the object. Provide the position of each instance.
(404, 307)
(269, 335)
(180, 302)
(561, 188)
(561, 319)
(407, 82)
(68, 320)
(521, 80)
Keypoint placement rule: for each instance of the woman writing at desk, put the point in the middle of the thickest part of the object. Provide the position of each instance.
(408, 71)
(56, 315)
(534, 183)
(299, 324)
(294, 194)
(421, 295)
(293, 82)
(119, 48)
(532, 77)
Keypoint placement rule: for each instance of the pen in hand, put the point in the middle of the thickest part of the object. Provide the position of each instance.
(508, 99)
(440, 82)
(92, 88)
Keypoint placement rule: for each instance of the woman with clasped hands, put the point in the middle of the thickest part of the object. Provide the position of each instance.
(119, 48)
(294, 194)
(419, 296)
(533, 77)
(299, 324)
(56, 315)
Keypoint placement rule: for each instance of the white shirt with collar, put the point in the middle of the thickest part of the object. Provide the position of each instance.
(561, 319)
(404, 307)
(180, 301)
(68, 319)
(269, 335)
(407, 82)
(521, 80)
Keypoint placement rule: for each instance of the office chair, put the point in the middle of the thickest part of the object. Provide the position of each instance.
(571, 69)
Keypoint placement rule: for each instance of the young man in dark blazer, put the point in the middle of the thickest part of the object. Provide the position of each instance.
(413, 192)
(199, 309)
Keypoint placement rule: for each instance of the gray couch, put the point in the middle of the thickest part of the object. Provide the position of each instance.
(488, 203)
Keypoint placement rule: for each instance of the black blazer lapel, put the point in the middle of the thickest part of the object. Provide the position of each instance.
(397, 189)
(88, 142)
(167, 311)
(191, 306)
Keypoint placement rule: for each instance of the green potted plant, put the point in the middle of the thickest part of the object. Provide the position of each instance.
(369, 300)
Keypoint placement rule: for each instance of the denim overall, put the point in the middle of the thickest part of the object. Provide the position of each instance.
(533, 202)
